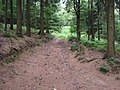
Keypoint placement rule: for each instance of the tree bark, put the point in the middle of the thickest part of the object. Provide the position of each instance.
(28, 31)
(41, 32)
(35, 21)
(23, 11)
(77, 11)
(78, 21)
(47, 22)
(3, 10)
(92, 22)
(111, 29)
(6, 13)
(98, 22)
(88, 20)
(19, 18)
(11, 14)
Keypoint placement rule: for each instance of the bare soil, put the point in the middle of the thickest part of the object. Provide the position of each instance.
(53, 67)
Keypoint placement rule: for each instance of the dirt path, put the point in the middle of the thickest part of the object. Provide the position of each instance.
(53, 67)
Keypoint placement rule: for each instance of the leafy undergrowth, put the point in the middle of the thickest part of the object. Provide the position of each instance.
(63, 33)
(100, 45)
(112, 65)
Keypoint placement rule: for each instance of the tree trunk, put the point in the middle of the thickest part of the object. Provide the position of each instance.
(119, 9)
(102, 18)
(106, 8)
(28, 31)
(78, 20)
(92, 22)
(3, 10)
(19, 18)
(77, 11)
(47, 22)
(41, 32)
(6, 15)
(88, 20)
(111, 29)
(11, 14)
(98, 22)
(35, 21)
(23, 11)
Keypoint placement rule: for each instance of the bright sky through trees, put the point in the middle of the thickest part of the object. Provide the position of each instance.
(63, 3)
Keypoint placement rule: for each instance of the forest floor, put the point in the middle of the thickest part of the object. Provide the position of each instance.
(52, 66)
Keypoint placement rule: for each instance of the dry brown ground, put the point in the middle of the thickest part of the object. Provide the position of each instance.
(53, 67)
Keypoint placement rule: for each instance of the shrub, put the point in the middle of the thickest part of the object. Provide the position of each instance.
(104, 68)
(74, 46)
(1, 26)
(8, 34)
(112, 60)
(50, 36)
(100, 45)
(71, 37)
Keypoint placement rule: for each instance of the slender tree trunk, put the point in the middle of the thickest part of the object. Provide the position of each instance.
(77, 11)
(47, 22)
(3, 10)
(19, 18)
(23, 11)
(78, 21)
(92, 22)
(89, 20)
(6, 15)
(11, 14)
(41, 32)
(102, 17)
(28, 31)
(111, 29)
(35, 21)
(98, 22)
(119, 9)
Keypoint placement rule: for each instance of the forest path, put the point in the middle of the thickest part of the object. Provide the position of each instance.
(53, 67)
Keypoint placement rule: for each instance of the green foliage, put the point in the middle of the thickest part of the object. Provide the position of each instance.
(52, 21)
(114, 64)
(118, 47)
(117, 33)
(1, 26)
(111, 60)
(71, 37)
(14, 54)
(104, 68)
(72, 29)
(50, 36)
(63, 32)
(23, 29)
(74, 46)
(101, 45)
(8, 34)
(98, 44)
(35, 15)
